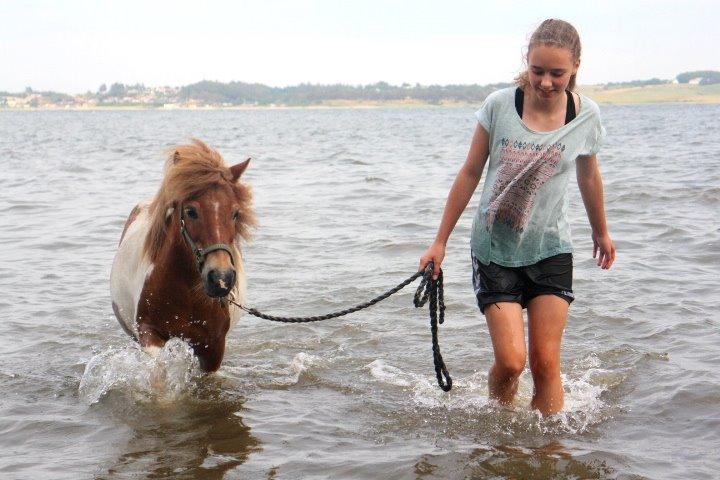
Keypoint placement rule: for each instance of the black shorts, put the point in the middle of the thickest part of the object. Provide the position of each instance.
(494, 283)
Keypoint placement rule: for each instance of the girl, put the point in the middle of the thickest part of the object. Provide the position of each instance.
(521, 250)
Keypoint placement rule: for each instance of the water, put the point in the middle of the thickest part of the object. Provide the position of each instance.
(347, 201)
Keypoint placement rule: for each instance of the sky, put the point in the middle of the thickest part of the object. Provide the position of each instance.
(74, 46)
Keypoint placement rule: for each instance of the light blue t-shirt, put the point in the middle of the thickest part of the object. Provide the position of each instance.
(522, 217)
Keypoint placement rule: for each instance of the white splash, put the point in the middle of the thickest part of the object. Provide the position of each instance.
(303, 362)
(584, 386)
(423, 388)
(392, 375)
(272, 374)
(166, 377)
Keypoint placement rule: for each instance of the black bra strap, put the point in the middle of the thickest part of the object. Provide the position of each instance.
(519, 99)
(570, 109)
(570, 113)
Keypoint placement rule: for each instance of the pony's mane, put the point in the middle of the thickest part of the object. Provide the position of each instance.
(190, 170)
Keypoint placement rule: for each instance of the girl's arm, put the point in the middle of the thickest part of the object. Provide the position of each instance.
(462, 189)
(591, 188)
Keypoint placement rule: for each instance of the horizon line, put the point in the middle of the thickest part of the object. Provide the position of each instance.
(415, 84)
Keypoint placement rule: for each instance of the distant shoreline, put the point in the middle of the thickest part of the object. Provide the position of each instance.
(667, 93)
(652, 94)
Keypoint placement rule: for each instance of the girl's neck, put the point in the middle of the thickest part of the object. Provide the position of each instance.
(544, 106)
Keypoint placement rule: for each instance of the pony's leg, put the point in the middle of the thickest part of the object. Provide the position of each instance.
(149, 339)
(151, 344)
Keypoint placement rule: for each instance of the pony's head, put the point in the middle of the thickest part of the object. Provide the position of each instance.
(203, 202)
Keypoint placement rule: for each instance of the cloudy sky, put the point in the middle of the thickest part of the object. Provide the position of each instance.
(73, 46)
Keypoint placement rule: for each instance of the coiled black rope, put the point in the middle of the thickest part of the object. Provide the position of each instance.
(428, 289)
(435, 292)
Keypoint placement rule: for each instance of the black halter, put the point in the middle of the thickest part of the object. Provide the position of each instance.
(201, 253)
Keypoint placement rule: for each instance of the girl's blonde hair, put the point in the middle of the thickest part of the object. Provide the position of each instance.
(556, 33)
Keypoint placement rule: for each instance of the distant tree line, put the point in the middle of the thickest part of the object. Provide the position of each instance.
(240, 93)
(707, 77)
(49, 95)
(635, 83)
(120, 90)
(237, 93)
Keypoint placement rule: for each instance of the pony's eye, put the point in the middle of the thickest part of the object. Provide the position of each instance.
(191, 213)
(236, 216)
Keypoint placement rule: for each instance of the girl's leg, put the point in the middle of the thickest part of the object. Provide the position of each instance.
(547, 315)
(507, 332)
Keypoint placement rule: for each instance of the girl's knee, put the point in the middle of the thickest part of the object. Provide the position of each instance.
(510, 366)
(544, 364)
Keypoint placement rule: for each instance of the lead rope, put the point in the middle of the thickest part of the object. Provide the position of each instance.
(435, 291)
(428, 289)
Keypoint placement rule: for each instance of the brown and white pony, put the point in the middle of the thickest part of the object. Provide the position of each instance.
(179, 256)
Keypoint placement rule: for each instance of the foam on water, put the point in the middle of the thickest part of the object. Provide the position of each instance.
(584, 406)
(167, 376)
(276, 374)
(302, 362)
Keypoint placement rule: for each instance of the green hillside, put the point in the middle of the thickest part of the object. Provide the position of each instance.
(671, 92)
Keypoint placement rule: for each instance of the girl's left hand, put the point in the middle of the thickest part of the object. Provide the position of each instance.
(603, 250)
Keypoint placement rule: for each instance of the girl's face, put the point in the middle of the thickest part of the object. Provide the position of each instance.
(549, 70)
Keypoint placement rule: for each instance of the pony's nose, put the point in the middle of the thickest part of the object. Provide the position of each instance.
(219, 281)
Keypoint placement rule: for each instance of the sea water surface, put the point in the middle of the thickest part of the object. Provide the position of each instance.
(347, 200)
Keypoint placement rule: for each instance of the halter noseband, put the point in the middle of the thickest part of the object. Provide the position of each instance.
(201, 253)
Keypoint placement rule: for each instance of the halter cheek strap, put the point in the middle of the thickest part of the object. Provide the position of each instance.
(201, 253)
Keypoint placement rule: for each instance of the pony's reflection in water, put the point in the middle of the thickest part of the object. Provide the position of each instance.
(202, 437)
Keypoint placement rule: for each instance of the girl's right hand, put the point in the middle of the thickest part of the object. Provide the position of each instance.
(435, 254)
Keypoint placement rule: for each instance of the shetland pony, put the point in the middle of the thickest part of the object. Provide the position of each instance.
(179, 256)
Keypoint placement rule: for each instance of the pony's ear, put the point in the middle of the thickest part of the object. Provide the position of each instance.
(238, 169)
(176, 156)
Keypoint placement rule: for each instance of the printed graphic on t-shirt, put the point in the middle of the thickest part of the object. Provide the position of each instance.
(524, 168)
